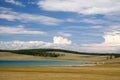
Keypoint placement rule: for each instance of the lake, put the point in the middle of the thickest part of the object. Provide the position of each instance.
(40, 63)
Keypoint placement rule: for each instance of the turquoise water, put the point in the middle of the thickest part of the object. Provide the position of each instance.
(39, 63)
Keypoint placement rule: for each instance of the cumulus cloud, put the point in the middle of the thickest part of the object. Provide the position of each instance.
(81, 6)
(61, 40)
(111, 44)
(112, 38)
(18, 30)
(58, 42)
(10, 15)
(108, 46)
(14, 2)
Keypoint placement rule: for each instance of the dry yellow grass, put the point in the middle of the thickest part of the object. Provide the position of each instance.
(101, 72)
(68, 56)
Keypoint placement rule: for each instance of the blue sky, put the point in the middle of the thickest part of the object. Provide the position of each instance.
(90, 26)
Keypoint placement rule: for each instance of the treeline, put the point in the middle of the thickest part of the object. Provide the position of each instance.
(35, 52)
(115, 55)
(51, 52)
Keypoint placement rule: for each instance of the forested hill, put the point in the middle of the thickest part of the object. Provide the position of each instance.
(52, 52)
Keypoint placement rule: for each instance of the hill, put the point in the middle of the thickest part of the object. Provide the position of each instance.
(56, 54)
(50, 52)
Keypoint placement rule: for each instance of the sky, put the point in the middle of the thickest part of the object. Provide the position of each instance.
(79, 25)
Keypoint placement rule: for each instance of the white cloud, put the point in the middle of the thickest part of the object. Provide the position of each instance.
(112, 38)
(111, 44)
(64, 34)
(81, 6)
(23, 45)
(108, 46)
(61, 40)
(98, 48)
(10, 15)
(18, 30)
(14, 2)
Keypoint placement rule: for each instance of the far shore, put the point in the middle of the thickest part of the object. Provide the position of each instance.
(96, 60)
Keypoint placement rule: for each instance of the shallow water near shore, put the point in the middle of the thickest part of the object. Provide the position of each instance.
(40, 63)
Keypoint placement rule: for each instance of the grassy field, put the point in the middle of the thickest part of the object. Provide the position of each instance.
(100, 72)
(68, 56)
(109, 71)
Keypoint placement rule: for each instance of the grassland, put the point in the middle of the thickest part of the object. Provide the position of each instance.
(100, 72)
(68, 57)
(108, 71)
